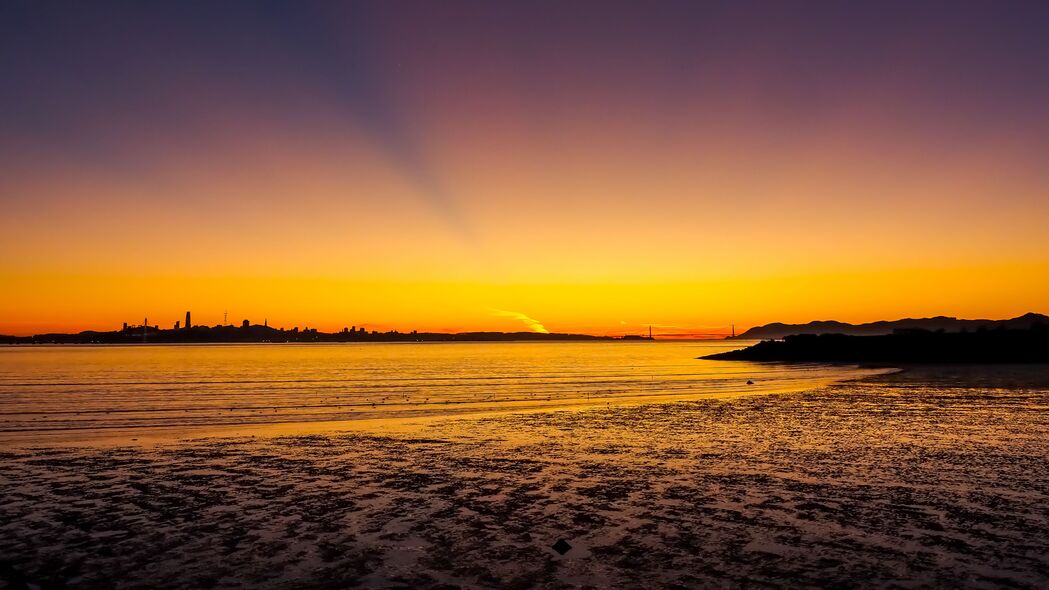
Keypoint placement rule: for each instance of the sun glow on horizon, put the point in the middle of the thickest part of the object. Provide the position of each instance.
(704, 309)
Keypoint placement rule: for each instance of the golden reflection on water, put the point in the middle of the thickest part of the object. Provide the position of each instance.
(143, 392)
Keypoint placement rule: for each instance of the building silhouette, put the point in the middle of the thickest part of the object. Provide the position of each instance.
(187, 324)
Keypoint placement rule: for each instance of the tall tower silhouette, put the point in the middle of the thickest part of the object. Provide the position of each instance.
(188, 325)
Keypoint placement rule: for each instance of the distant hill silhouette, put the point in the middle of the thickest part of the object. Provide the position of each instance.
(1000, 345)
(256, 333)
(947, 324)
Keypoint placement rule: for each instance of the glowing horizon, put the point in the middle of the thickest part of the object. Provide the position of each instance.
(594, 171)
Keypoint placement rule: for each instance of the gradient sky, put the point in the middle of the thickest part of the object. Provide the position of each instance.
(576, 166)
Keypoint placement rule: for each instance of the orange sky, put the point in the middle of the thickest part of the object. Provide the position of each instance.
(599, 177)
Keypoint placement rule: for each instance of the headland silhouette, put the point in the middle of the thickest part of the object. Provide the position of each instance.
(983, 346)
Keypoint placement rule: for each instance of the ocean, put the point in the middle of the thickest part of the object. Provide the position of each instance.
(71, 392)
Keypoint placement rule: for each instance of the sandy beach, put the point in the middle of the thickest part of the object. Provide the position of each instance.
(927, 478)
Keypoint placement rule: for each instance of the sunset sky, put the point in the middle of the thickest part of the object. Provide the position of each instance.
(571, 166)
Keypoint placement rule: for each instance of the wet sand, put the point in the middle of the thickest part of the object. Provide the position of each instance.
(928, 478)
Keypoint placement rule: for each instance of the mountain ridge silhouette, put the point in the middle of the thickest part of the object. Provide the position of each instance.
(779, 330)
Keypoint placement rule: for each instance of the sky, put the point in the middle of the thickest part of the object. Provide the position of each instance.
(566, 166)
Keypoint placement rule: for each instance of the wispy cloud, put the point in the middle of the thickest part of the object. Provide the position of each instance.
(533, 324)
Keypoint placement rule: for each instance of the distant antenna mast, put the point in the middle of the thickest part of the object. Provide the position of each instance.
(225, 318)
(649, 332)
(733, 330)
(145, 327)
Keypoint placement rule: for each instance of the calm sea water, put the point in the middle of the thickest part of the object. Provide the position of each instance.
(45, 391)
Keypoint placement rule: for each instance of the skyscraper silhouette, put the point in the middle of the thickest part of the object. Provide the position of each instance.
(188, 325)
